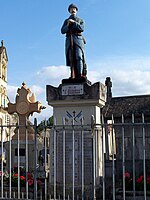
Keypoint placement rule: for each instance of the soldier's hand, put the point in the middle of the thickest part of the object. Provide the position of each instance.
(70, 21)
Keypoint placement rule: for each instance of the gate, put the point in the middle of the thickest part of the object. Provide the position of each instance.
(98, 161)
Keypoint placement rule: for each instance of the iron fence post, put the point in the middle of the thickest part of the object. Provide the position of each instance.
(35, 159)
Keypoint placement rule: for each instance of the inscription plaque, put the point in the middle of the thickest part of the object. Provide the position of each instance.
(72, 90)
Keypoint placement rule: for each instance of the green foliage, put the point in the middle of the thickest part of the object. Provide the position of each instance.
(50, 121)
(45, 123)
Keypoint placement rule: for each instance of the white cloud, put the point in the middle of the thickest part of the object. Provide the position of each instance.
(11, 92)
(53, 74)
(133, 82)
(130, 76)
(37, 89)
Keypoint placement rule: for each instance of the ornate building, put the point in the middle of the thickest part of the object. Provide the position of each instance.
(4, 116)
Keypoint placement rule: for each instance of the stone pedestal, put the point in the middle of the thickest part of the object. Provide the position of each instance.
(73, 98)
(73, 105)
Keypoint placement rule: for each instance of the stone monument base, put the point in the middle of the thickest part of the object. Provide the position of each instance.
(76, 80)
(74, 102)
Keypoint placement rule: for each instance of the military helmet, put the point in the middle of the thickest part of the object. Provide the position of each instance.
(72, 6)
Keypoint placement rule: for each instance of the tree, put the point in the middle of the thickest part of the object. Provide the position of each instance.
(45, 123)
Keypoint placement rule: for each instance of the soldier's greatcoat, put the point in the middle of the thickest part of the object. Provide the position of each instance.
(75, 30)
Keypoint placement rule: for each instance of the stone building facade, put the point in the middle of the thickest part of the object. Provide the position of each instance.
(4, 116)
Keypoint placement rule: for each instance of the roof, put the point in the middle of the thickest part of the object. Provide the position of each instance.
(127, 106)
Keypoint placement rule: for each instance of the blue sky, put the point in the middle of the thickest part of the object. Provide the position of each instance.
(117, 33)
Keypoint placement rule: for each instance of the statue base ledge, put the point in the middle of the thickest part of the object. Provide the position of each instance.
(74, 90)
(76, 80)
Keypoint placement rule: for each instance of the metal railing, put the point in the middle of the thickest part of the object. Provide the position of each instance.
(99, 161)
(129, 158)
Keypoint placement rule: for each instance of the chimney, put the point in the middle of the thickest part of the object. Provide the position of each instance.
(108, 84)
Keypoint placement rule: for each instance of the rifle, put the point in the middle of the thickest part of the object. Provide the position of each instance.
(72, 57)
